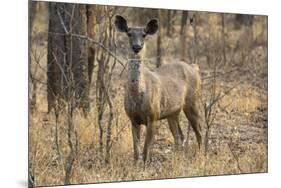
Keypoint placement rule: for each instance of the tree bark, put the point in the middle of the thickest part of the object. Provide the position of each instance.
(169, 15)
(55, 56)
(193, 23)
(183, 51)
(159, 41)
(32, 11)
(92, 12)
(67, 55)
(223, 39)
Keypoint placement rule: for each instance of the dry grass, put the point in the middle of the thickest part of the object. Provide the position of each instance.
(166, 163)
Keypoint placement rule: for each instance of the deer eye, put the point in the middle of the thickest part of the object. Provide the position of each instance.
(129, 34)
(143, 35)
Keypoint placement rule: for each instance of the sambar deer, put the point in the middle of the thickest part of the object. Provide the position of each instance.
(159, 94)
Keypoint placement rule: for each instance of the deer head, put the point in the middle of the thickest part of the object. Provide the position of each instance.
(136, 35)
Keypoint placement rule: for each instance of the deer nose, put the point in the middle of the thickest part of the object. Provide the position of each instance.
(136, 48)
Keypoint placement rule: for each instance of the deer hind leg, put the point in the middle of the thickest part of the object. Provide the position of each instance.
(136, 140)
(149, 137)
(174, 126)
(192, 113)
(181, 134)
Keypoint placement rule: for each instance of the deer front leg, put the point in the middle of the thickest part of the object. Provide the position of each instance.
(136, 140)
(149, 137)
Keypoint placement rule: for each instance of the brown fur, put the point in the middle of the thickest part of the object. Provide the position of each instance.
(161, 94)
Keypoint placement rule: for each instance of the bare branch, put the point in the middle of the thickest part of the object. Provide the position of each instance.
(62, 22)
(61, 69)
(101, 45)
(235, 157)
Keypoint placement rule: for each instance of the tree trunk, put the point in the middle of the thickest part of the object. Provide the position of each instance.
(32, 10)
(67, 55)
(223, 39)
(193, 22)
(55, 56)
(183, 51)
(159, 41)
(169, 15)
(92, 12)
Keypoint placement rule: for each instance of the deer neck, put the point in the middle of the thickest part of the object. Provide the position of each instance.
(136, 79)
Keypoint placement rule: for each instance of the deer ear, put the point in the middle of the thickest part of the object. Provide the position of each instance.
(121, 23)
(152, 27)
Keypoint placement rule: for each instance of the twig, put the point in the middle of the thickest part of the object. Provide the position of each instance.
(62, 23)
(94, 42)
(61, 68)
(115, 139)
(222, 74)
(101, 45)
(235, 157)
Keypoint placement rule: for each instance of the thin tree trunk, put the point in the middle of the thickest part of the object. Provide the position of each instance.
(92, 11)
(193, 22)
(159, 42)
(223, 38)
(77, 54)
(183, 51)
(72, 142)
(169, 15)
